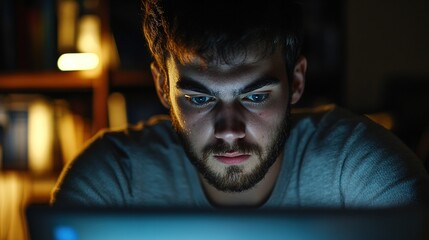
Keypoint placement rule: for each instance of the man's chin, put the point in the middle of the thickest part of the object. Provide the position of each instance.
(232, 178)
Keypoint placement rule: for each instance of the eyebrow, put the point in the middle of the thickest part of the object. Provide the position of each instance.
(190, 84)
(259, 83)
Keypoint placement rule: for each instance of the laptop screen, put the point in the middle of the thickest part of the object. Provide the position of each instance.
(113, 223)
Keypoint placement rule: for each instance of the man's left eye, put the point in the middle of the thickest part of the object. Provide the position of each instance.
(199, 100)
(257, 98)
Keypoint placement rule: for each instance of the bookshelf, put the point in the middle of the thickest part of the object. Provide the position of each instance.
(28, 70)
(33, 36)
(29, 49)
(41, 76)
(53, 80)
(45, 17)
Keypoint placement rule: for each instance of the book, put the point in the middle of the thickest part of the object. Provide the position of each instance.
(67, 14)
(7, 36)
(39, 134)
(3, 122)
(117, 111)
(15, 140)
(131, 107)
(70, 131)
(28, 35)
(49, 41)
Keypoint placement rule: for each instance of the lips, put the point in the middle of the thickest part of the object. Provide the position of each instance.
(233, 158)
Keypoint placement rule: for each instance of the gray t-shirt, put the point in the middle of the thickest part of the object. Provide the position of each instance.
(332, 159)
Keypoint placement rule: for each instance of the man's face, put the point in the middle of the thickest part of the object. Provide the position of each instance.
(231, 118)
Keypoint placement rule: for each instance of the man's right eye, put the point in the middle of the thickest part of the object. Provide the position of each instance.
(199, 100)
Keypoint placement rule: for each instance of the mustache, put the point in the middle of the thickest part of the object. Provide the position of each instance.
(222, 147)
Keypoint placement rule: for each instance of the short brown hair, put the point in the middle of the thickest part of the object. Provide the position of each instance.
(221, 29)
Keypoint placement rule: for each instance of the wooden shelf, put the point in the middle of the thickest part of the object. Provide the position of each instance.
(46, 81)
(131, 79)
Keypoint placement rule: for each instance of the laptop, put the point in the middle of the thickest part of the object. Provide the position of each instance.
(47, 223)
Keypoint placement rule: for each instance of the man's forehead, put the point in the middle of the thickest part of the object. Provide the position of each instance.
(199, 63)
(242, 77)
(244, 61)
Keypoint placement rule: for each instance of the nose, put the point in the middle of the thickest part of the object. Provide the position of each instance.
(229, 123)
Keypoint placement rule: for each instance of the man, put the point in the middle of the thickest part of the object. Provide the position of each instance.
(229, 74)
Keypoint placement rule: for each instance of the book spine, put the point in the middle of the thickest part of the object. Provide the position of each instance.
(49, 34)
(3, 123)
(16, 141)
(7, 36)
(40, 135)
(67, 14)
(22, 36)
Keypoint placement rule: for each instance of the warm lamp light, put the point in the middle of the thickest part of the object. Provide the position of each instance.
(78, 61)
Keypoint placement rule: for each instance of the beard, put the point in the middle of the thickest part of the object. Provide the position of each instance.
(234, 178)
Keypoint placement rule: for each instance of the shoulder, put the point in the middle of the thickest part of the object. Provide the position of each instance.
(327, 125)
(371, 166)
(337, 132)
(107, 168)
(334, 123)
(108, 146)
(157, 129)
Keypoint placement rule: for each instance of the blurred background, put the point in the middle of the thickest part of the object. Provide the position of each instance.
(69, 68)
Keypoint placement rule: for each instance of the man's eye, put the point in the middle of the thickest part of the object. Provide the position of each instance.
(199, 100)
(257, 98)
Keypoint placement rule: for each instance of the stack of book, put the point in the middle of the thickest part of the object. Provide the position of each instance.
(28, 35)
(38, 134)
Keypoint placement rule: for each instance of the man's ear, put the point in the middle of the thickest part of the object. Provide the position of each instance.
(298, 81)
(160, 79)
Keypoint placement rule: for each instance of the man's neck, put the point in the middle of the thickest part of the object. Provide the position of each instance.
(253, 197)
